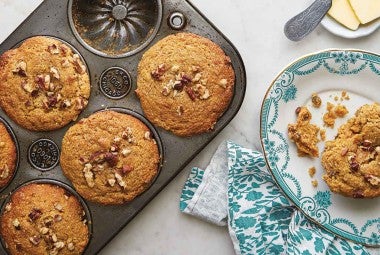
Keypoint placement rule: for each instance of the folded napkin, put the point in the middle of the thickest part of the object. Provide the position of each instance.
(237, 191)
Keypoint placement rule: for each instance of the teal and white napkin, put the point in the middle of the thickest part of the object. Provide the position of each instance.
(237, 191)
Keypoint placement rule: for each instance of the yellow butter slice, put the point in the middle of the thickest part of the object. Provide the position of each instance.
(366, 10)
(342, 12)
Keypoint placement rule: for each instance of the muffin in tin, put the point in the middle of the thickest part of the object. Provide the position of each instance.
(185, 83)
(110, 157)
(352, 159)
(44, 85)
(44, 218)
(8, 156)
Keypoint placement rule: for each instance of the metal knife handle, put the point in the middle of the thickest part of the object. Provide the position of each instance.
(304, 23)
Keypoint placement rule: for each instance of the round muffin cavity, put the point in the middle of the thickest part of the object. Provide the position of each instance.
(185, 83)
(44, 85)
(42, 218)
(110, 157)
(8, 156)
(352, 160)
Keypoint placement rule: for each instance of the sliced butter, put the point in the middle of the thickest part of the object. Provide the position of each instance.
(342, 12)
(366, 10)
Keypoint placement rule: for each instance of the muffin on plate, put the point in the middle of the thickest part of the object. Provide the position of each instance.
(44, 85)
(185, 83)
(8, 156)
(110, 157)
(352, 160)
(42, 218)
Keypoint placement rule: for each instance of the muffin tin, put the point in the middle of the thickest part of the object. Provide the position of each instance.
(112, 49)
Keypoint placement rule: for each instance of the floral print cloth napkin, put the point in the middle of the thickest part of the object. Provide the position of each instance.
(237, 190)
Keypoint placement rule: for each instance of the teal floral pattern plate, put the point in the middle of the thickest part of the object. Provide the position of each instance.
(328, 74)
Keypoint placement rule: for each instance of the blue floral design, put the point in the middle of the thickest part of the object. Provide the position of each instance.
(323, 199)
(290, 93)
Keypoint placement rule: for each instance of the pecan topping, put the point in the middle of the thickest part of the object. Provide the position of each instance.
(81, 103)
(35, 240)
(372, 179)
(65, 63)
(53, 49)
(175, 68)
(178, 85)
(70, 246)
(367, 145)
(58, 207)
(159, 72)
(120, 181)
(54, 72)
(128, 135)
(223, 83)
(147, 135)
(180, 110)
(191, 93)
(195, 69)
(111, 159)
(65, 104)
(126, 169)
(78, 65)
(298, 110)
(27, 87)
(35, 214)
(114, 148)
(111, 182)
(16, 224)
(89, 175)
(8, 207)
(126, 152)
(4, 172)
(59, 245)
(205, 95)
(197, 77)
(117, 139)
(165, 91)
(20, 69)
(354, 165)
(44, 230)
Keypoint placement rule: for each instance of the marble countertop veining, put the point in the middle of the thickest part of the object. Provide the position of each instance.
(255, 27)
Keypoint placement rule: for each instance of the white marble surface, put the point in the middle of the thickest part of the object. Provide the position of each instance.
(255, 27)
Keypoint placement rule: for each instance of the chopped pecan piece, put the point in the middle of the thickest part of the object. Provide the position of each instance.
(197, 77)
(70, 246)
(180, 110)
(55, 73)
(35, 240)
(111, 159)
(35, 214)
(16, 224)
(58, 207)
(81, 103)
(175, 68)
(65, 104)
(89, 175)
(147, 135)
(126, 169)
(20, 69)
(120, 181)
(206, 95)
(44, 230)
(4, 172)
(158, 72)
(191, 93)
(8, 207)
(53, 49)
(65, 63)
(111, 182)
(78, 65)
(27, 87)
(126, 152)
(372, 179)
(223, 83)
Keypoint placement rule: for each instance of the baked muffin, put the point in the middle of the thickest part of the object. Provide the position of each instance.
(304, 134)
(8, 156)
(43, 218)
(352, 160)
(110, 157)
(185, 83)
(44, 85)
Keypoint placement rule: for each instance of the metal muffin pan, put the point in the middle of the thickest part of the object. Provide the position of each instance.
(113, 81)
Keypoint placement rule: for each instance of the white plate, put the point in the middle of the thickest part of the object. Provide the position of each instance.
(334, 27)
(327, 73)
